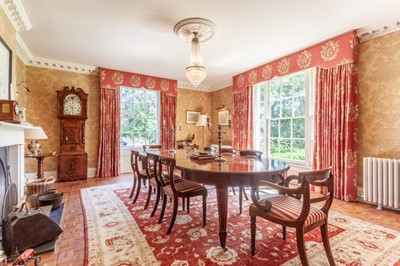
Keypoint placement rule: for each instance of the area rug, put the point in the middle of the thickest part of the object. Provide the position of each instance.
(121, 233)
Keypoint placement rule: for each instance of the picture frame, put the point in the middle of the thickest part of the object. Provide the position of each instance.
(5, 70)
(223, 117)
(192, 117)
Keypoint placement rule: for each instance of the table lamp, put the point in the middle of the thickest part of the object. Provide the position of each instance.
(34, 134)
(202, 122)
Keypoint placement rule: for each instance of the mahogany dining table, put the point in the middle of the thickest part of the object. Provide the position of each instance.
(234, 172)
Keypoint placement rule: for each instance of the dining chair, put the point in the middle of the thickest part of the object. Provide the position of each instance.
(184, 189)
(155, 183)
(210, 148)
(152, 147)
(139, 173)
(250, 154)
(241, 189)
(294, 207)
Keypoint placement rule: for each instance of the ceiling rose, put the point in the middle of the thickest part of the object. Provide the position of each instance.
(186, 29)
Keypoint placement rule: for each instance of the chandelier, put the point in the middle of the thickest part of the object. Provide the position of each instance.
(195, 30)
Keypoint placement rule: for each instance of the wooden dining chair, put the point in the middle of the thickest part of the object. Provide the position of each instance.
(210, 148)
(184, 189)
(294, 207)
(154, 182)
(139, 173)
(152, 147)
(251, 154)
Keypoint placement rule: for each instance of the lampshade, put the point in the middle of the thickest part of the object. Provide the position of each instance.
(202, 121)
(35, 133)
(195, 30)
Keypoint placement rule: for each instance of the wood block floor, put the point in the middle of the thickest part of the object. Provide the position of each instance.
(70, 246)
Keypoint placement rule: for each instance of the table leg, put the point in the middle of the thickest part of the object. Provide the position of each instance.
(40, 167)
(222, 200)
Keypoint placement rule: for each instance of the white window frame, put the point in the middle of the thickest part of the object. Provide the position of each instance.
(308, 115)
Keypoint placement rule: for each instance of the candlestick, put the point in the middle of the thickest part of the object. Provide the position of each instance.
(219, 132)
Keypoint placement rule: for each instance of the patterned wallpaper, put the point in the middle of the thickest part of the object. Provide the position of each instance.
(221, 98)
(41, 110)
(379, 99)
(193, 100)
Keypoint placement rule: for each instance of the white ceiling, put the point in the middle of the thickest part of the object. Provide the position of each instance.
(137, 35)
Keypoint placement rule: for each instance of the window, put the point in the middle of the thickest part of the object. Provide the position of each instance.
(139, 117)
(283, 117)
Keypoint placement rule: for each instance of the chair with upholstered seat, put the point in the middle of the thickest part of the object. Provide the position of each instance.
(152, 147)
(294, 207)
(251, 153)
(155, 183)
(184, 189)
(139, 173)
(210, 148)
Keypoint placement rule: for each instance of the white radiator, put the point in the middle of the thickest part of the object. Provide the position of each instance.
(382, 182)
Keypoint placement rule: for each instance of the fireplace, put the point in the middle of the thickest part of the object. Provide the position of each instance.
(12, 156)
(4, 176)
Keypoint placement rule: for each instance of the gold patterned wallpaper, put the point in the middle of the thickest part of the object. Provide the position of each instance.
(379, 99)
(41, 110)
(192, 100)
(222, 98)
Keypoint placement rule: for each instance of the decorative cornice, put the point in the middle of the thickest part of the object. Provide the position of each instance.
(378, 29)
(22, 50)
(61, 65)
(17, 15)
(189, 86)
(222, 85)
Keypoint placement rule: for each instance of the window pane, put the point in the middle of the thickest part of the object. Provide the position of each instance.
(274, 148)
(276, 109)
(286, 149)
(299, 151)
(286, 128)
(299, 106)
(275, 128)
(287, 87)
(299, 82)
(287, 106)
(298, 128)
(275, 88)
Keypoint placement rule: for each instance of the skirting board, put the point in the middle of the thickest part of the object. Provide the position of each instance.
(91, 172)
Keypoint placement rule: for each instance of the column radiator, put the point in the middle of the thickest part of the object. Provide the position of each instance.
(382, 182)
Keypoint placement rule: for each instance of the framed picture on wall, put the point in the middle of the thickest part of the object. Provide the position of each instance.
(192, 117)
(5, 70)
(223, 117)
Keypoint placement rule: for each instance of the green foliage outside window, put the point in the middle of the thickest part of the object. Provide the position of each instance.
(139, 116)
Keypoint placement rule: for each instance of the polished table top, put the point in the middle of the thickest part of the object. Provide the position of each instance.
(234, 167)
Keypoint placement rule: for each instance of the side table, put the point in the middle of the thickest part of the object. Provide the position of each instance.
(40, 158)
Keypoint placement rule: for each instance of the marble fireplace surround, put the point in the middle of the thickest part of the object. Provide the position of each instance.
(12, 136)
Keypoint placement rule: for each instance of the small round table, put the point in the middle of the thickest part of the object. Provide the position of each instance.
(40, 158)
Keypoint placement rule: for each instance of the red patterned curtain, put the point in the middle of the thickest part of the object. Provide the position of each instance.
(242, 118)
(168, 115)
(109, 143)
(109, 152)
(336, 126)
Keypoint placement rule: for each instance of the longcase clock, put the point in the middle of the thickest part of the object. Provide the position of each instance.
(72, 112)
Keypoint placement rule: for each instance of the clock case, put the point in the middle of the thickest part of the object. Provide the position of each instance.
(72, 159)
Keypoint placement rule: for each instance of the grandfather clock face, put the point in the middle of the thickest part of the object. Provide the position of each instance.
(72, 105)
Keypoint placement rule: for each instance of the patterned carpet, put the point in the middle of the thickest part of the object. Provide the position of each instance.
(121, 233)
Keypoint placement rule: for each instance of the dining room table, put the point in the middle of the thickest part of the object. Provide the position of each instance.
(235, 171)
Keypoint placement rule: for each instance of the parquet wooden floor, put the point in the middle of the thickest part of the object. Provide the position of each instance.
(70, 247)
